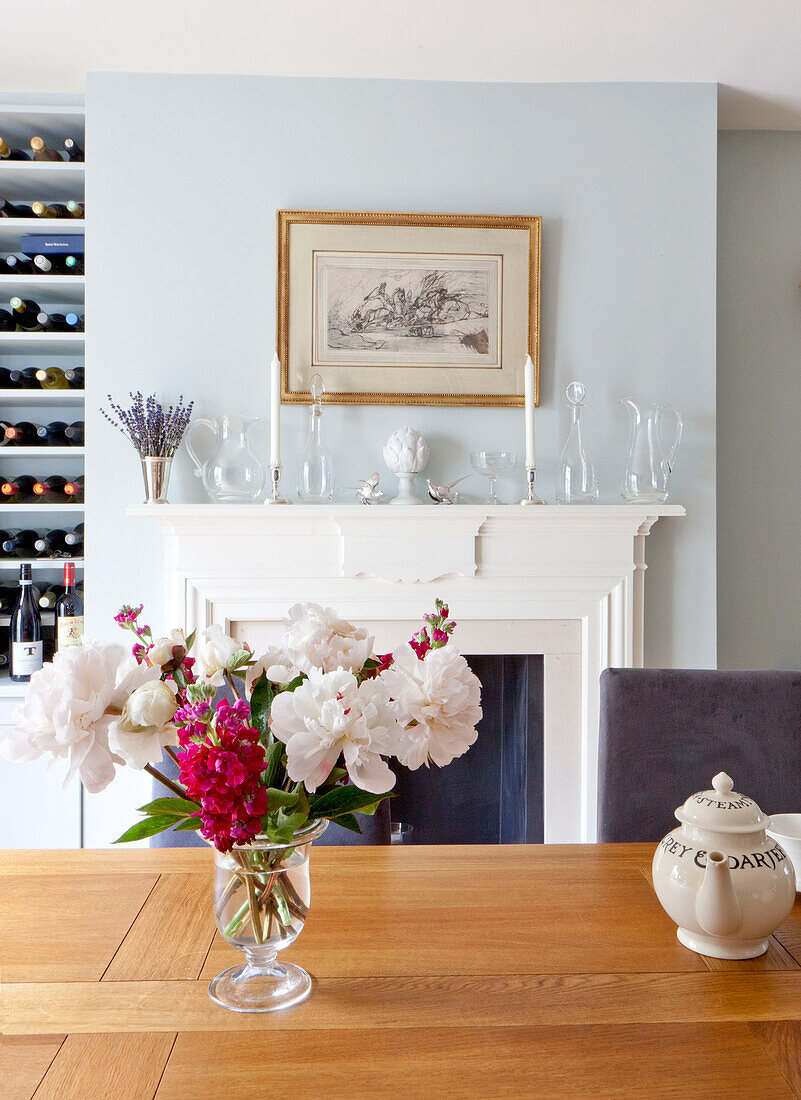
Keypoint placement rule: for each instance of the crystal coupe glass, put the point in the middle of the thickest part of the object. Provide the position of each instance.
(261, 901)
(492, 464)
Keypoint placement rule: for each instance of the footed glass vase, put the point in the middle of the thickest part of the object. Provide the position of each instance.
(261, 901)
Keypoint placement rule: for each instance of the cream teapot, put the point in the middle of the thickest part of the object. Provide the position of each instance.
(724, 882)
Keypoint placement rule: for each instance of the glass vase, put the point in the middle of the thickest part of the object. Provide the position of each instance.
(261, 901)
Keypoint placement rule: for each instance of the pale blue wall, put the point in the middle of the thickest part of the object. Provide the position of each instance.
(759, 399)
(185, 175)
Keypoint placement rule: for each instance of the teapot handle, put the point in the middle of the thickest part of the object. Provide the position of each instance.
(206, 423)
(671, 451)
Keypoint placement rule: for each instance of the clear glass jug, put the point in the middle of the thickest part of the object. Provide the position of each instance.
(232, 474)
(646, 479)
(576, 479)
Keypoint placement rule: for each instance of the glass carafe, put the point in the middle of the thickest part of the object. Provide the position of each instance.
(646, 479)
(316, 474)
(232, 474)
(576, 479)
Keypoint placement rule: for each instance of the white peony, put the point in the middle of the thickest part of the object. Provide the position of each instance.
(437, 701)
(213, 650)
(331, 714)
(315, 638)
(275, 664)
(162, 652)
(70, 705)
(139, 735)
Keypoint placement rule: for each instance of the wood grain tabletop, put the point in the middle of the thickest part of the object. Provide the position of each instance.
(514, 970)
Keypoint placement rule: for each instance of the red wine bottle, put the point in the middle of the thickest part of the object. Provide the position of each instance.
(26, 313)
(74, 434)
(74, 538)
(7, 153)
(24, 379)
(23, 434)
(21, 545)
(73, 490)
(74, 151)
(52, 435)
(49, 210)
(49, 488)
(19, 490)
(69, 612)
(5, 380)
(26, 654)
(42, 151)
(15, 210)
(52, 543)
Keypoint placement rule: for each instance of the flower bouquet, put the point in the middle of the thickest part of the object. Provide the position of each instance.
(301, 736)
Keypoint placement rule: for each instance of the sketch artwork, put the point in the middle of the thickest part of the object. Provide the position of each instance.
(406, 310)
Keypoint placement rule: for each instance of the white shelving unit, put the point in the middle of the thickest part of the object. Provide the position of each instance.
(25, 182)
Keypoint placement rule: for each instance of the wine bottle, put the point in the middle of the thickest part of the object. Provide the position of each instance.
(53, 322)
(15, 210)
(74, 151)
(74, 433)
(42, 151)
(76, 209)
(74, 538)
(75, 377)
(48, 266)
(26, 654)
(19, 490)
(49, 487)
(7, 322)
(49, 210)
(26, 314)
(52, 543)
(52, 434)
(7, 153)
(69, 612)
(21, 545)
(73, 489)
(8, 597)
(52, 378)
(74, 322)
(22, 434)
(73, 265)
(17, 265)
(49, 598)
(24, 379)
(6, 382)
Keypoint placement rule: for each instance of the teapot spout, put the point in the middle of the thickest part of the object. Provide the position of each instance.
(717, 907)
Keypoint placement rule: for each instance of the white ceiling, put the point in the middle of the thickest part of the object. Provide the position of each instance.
(751, 47)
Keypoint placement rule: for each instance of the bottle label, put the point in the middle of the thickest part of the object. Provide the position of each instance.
(70, 631)
(26, 657)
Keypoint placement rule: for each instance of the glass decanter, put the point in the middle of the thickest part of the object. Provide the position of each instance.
(316, 474)
(576, 479)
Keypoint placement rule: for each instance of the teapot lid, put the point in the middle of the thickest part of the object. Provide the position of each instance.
(722, 809)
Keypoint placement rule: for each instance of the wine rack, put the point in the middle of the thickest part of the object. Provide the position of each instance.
(25, 182)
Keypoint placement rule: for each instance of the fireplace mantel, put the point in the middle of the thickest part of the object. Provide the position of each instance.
(565, 582)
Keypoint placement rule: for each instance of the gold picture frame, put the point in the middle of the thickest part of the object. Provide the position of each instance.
(402, 346)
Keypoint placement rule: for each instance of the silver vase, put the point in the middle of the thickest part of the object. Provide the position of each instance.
(156, 474)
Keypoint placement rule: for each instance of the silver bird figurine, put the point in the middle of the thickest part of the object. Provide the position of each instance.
(444, 494)
(368, 491)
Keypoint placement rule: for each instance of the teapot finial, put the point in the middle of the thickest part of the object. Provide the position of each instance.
(723, 783)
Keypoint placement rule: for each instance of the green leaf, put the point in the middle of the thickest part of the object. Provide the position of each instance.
(175, 807)
(149, 827)
(190, 641)
(335, 776)
(273, 774)
(281, 799)
(343, 800)
(187, 824)
(348, 821)
(240, 659)
(260, 702)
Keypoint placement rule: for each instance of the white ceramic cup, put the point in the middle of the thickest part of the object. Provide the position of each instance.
(786, 830)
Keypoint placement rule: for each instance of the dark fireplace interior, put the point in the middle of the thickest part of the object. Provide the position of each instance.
(492, 794)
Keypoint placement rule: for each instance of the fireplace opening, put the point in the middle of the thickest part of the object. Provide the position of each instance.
(494, 793)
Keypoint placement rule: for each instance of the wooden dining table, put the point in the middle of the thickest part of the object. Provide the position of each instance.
(469, 971)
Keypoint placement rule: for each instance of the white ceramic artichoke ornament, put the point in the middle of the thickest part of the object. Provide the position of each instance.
(406, 454)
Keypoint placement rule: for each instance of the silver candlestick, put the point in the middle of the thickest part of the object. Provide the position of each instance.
(275, 477)
(531, 497)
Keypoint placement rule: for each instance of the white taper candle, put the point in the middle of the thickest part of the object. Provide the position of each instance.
(531, 459)
(275, 411)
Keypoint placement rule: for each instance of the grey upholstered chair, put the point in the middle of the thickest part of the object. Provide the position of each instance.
(666, 732)
(375, 829)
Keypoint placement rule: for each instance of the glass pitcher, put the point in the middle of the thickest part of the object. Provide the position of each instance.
(232, 474)
(646, 479)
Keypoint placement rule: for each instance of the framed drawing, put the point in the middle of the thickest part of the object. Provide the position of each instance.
(408, 309)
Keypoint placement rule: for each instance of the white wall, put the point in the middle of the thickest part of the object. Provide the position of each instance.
(184, 178)
(750, 49)
(759, 398)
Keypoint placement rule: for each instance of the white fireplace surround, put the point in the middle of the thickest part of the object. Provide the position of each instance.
(564, 582)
